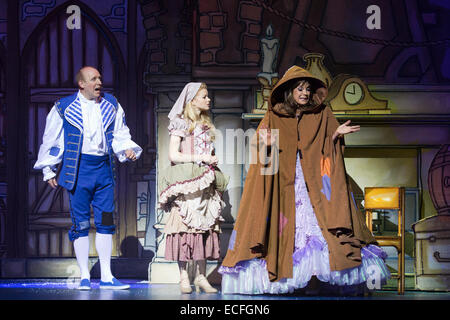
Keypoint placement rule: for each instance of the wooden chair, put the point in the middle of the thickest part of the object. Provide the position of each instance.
(386, 198)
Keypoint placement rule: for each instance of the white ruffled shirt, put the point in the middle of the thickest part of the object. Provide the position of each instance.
(94, 139)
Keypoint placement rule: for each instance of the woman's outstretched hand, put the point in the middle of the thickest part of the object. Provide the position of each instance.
(344, 129)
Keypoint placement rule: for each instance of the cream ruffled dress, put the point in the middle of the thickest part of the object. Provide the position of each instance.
(191, 193)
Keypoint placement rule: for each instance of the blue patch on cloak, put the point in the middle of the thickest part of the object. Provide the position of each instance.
(326, 182)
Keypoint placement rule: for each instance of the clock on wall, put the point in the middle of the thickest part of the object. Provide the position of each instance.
(349, 94)
(353, 93)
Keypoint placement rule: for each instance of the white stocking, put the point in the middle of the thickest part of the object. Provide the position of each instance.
(81, 247)
(103, 244)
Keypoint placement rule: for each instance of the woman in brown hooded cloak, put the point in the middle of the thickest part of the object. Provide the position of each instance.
(299, 220)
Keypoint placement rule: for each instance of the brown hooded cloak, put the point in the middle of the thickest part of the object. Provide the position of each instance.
(265, 225)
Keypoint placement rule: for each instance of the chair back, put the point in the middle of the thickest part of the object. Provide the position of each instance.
(382, 198)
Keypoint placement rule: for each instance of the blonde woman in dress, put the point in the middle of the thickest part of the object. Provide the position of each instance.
(191, 188)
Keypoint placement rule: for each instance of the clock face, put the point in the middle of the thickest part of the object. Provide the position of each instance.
(353, 93)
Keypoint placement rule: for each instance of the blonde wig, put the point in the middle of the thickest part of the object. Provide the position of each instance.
(191, 114)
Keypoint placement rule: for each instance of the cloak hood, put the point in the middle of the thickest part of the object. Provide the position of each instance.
(319, 90)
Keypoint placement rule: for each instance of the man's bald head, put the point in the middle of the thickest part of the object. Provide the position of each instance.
(89, 82)
(81, 74)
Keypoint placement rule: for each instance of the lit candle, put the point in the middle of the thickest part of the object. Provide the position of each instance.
(269, 48)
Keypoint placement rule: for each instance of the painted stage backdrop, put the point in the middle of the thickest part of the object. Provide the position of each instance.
(387, 64)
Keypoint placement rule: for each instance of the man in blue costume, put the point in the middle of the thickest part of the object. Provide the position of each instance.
(85, 131)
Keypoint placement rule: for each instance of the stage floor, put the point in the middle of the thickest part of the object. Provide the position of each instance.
(65, 289)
